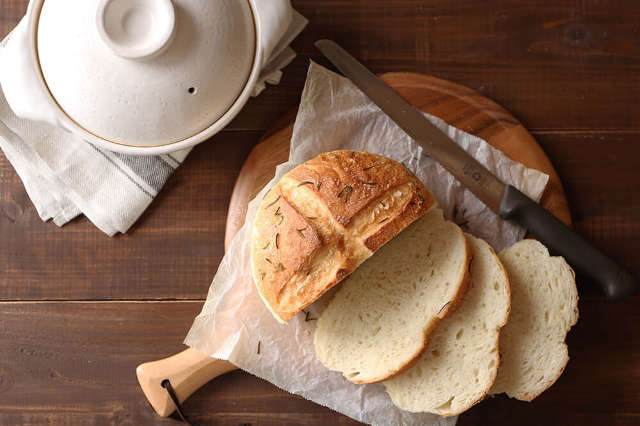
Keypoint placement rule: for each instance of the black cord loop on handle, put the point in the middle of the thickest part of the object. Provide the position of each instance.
(167, 385)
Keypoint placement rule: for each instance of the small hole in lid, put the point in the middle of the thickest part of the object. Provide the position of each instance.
(192, 90)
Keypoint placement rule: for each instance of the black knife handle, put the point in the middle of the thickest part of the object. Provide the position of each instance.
(616, 282)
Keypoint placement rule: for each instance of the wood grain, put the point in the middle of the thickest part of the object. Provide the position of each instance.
(568, 70)
(564, 64)
(66, 362)
(171, 252)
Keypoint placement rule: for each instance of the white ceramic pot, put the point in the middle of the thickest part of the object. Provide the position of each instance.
(139, 76)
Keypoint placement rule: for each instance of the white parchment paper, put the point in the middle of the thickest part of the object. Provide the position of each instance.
(334, 114)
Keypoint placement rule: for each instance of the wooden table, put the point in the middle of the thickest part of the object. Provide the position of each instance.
(79, 310)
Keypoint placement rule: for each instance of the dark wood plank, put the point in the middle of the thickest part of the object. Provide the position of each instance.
(10, 13)
(554, 65)
(65, 362)
(171, 253)
(72, 363)
(174, 250)
(557, 66)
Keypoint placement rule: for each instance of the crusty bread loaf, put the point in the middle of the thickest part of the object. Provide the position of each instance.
(379, 320)
(543, 309)
(461, 362)
(324, 218)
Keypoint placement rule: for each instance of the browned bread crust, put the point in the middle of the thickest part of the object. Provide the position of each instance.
(324, 218)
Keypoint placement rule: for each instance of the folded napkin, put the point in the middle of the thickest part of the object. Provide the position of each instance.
(65, 176)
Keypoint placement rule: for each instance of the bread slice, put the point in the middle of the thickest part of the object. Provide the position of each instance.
(324, 218)
(460, 365)
(544, 307)
(379, 320)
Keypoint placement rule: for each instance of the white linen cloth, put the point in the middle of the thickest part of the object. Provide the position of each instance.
(65, 176)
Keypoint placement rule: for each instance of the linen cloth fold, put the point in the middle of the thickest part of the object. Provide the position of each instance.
(66, 176)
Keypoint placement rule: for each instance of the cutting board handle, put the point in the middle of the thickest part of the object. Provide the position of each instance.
(187, 371)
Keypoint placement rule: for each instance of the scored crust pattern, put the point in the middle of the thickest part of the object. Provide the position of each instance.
(324, 218)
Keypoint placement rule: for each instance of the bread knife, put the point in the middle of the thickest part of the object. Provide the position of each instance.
(505, 200)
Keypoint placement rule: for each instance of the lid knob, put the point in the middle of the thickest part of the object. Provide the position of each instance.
(136, 29)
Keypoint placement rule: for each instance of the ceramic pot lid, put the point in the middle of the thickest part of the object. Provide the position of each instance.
(145, 72)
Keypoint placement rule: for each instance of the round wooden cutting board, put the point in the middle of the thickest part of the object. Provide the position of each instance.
(459, 106)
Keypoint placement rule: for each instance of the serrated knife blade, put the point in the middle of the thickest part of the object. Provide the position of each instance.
(505, 200)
